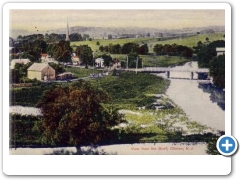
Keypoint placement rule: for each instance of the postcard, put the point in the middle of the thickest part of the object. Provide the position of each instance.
(139, 83)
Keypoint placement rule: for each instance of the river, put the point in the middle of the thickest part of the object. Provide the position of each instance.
(196, 103)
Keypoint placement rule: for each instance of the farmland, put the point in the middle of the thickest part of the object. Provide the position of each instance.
(186, 41)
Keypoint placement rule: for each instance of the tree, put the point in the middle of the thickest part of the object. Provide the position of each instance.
(101, 48)
(62, 51)
(57, 67)
(158, 49)
(76, 116)
(130, 48)
(107, 60)
(75, 37)
(217, 70)
(85, 53)
(19, 73)
(206, 52)
(85, 37)
(143, 50)
(207, 39)
(97, 43)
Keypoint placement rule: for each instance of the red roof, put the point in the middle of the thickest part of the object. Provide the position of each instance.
(44, 55)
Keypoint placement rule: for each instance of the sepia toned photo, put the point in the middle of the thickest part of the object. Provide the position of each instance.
(116, 81)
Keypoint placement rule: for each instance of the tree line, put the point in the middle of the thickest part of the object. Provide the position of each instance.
(53, 37)
(125, 48)
(207, 58)
(173, 50)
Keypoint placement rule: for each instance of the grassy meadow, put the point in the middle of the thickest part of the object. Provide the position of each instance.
(106, 42)
(186, 41)
(81, 72)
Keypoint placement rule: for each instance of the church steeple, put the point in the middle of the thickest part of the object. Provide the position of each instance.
(67, 33)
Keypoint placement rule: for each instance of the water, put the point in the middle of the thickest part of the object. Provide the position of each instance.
(195, 102)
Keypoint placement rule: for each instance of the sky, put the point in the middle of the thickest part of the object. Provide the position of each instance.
(44, 20)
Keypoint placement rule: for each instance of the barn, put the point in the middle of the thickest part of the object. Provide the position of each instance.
(41, 71)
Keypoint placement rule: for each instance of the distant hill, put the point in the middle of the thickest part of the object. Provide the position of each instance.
(101, 32)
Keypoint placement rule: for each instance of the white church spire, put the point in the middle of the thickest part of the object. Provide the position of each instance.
(67, 33)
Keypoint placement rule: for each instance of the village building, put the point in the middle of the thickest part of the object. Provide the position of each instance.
(41, 71)
(18, 61)
(75, 60)
(99, 62)
(220, 51)
(47, 58)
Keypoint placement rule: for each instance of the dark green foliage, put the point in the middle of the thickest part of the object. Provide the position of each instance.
(31, 48)
(24, 131)
(130, 48)
(205, 52)
(75, 115)
(130, 89)
(19, 73)
(84, 52)
(207, 59)
(53, 38)
(134, 61)
(57, 67)
(143, 50)
(61, 51)
(27, 96)
(107, 60)
(173, 50)
(75, 37)
(211, 146)
(217, 71)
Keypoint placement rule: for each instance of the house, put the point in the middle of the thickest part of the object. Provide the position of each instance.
(116, 64)
(220, 50)
(75, 60)
(99, 62)
(41, 71)
(18, 61)
(46, 58)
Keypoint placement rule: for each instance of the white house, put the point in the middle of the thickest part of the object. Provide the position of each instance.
(220, 50)
(18, 61)
(99, 62)
(47, 58)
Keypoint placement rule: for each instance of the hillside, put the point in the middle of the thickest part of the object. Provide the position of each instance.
(186, 41)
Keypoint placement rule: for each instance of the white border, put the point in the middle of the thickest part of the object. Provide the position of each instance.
(115, 165)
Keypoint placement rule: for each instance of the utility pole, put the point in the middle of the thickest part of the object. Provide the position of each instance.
(93, 61)
(127, 62)
(136, 64)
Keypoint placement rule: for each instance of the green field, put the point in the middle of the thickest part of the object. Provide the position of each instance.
(130, 90)
(189, 41)
(186, 41)
(106, 42)
(81, 72)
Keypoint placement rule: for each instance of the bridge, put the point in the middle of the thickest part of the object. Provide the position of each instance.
(169, 70)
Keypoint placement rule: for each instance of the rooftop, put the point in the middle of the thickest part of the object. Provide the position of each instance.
(38, 67)
(221, 49)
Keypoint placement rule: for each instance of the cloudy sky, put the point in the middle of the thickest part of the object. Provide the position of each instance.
(166, 19)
